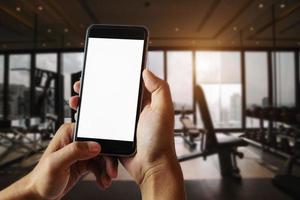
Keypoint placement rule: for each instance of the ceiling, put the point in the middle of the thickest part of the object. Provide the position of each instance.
(172, 23)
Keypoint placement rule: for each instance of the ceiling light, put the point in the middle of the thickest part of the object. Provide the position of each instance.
(251, 28)
(18, 9)
(234, 28)
(40, 8)
(49, 30)
(66, 30)
(282, 5)
(176, 29)
(261, 5)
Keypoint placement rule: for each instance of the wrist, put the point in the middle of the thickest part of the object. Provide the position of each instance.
(29, 191)
(163, 180)
(22, 189)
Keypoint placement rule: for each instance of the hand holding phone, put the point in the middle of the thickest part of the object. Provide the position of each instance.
(155, 163)
(111, 87)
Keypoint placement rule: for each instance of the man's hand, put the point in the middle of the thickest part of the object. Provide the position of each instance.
(60, 167)
(155, 143)
(154, 167)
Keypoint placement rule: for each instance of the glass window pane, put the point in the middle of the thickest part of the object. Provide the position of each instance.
(156, 63)
(47, 61)
(19, 84)
(1, 69)
(218, 67)
(284, 79)
(71, 63)
(219, 75)
(1, 84)
(256, 64)
(180, 79)
(179, 70)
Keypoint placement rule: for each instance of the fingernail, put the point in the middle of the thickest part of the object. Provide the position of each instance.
(94, 147)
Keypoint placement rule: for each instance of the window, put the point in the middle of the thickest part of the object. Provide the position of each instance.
(47, 61)
(284, 79)
(45, 89)
(219, 75)
(156, 63)
(19, 82)
(256, 64)
(179, 77)
(1, 84)
(71, 63)
(1, 69)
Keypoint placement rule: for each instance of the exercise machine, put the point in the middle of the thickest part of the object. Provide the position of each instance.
(224, 145)
(282, 132)
(285, 180)
(25, 135)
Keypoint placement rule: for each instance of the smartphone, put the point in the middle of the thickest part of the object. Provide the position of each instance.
(111, 87)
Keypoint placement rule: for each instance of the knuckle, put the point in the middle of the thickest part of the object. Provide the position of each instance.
(75, 146)
(164, 85)
(79, 146)
(64, 127)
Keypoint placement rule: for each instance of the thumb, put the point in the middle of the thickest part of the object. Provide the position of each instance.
(74, 152)
(159, 89)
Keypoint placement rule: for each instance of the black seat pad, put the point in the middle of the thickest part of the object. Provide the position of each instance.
(225, 140)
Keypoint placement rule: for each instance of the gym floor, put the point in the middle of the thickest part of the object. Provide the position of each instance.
(202, 178)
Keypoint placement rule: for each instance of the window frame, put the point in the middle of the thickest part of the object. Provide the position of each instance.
(59, 52)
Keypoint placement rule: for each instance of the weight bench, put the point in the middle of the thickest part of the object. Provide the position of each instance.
(224, 145)
(189, 132)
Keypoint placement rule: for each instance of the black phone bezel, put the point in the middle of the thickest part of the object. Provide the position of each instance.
(115, 147)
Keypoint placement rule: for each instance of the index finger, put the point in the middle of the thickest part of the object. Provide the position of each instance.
(63, 136)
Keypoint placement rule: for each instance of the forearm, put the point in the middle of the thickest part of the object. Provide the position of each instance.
(20, 190)
(164, 183)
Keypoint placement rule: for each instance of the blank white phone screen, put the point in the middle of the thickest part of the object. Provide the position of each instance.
(110, 90)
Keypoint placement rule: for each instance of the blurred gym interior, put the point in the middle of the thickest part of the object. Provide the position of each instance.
(233, 71)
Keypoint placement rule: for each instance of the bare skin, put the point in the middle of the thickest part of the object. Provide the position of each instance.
(154, 167)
